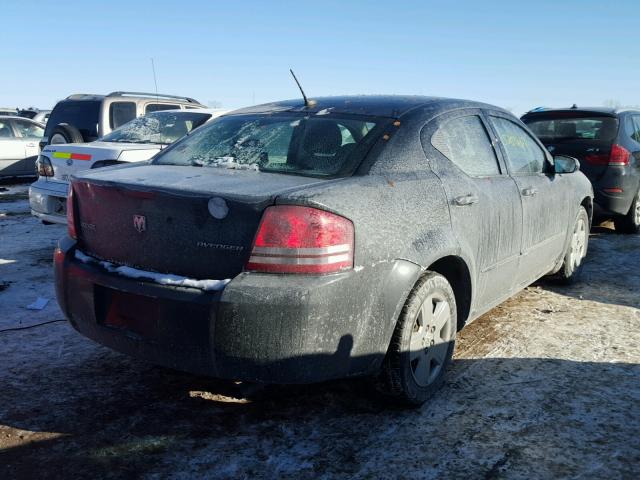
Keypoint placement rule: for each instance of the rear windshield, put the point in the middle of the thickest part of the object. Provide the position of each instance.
(82, 114)
(313, 145)
(563, 127)
(157, 127)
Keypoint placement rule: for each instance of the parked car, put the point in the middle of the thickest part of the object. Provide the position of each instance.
(299, 242)
(607, 143)
(19, 139)
(84, 118)
(12, 112)
(42, 116)
(35, 114)
(135, 141)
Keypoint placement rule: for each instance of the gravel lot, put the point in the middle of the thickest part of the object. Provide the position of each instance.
(546, 385)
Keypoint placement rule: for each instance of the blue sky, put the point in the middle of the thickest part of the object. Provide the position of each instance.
(513, 54)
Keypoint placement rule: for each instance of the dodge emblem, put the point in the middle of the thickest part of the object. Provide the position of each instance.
(140, 223)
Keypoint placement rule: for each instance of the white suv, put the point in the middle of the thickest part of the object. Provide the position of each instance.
(84, 118)
(138, 140)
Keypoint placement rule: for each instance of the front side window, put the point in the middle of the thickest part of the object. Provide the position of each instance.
(121, 113)
(466, 143)
(28, 129)
(158, 127)
(283, 143)
(524, 155)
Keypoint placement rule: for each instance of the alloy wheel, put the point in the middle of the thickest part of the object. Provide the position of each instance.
(432, 332)
(578, 244)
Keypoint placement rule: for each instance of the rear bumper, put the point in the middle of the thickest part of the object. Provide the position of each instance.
(260, 328)
(615, 203)
(47, 200)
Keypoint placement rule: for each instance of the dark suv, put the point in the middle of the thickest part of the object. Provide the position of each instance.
(84, 118)
(607, 143)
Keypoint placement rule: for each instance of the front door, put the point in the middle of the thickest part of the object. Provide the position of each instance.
(544, 220)
(29, 135)
(11, 149)
(484, 202)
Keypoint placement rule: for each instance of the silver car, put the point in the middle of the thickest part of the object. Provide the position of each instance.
(19, 139)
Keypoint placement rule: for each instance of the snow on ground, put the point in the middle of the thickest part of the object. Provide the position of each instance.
(546, 385)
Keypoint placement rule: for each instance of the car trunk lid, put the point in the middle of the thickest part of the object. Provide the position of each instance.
(73, 158)
(195, 222)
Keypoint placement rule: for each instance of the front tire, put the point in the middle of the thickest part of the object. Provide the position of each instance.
(422, 343)
(630, 223)
(576, 250)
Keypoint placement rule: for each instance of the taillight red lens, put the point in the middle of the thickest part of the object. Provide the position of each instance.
(296, 239)
(619, 155)
(71, 217)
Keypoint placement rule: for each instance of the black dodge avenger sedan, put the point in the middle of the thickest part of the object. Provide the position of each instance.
(297, 242)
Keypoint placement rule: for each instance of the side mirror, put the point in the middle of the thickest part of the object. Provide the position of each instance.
(564, 164)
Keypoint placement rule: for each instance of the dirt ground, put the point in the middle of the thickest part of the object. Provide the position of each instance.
(547, 385)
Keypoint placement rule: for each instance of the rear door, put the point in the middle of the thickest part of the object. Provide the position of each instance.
(485, 208)
(545, 201)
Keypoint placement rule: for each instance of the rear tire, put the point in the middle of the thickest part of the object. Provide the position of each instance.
(65, 133)
(576, 250)
(629, 223)
(422, 343)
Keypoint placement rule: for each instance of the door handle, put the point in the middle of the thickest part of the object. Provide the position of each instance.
(529, 192)
(464, 200)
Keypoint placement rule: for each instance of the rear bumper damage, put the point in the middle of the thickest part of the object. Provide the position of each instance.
(293, 329)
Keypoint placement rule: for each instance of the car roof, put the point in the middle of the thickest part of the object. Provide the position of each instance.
(15, 117)
(601, 110)
(374, 105)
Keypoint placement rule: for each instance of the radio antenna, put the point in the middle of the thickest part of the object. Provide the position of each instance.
(155, 81)
(307, 103)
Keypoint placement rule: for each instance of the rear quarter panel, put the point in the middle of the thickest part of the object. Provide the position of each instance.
(401, 220)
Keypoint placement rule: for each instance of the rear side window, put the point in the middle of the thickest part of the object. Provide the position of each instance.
(5, 130)
(121, 113)
(156, 107)
(82, 114)
(524, 155)
(559, 127)
(633, 127)
(466, 143)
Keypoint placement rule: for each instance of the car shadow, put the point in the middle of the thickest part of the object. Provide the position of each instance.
(118, 418)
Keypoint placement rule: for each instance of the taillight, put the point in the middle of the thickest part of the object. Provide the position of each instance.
(618, 156)
(296, 239)
(44, 167)
(71, 217)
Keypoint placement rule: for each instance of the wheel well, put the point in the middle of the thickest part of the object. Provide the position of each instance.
(587, 203)
(455, 270)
